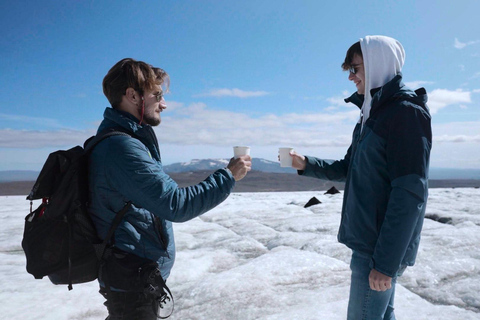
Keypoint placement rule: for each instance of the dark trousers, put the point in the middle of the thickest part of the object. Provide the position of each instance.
(129, 305)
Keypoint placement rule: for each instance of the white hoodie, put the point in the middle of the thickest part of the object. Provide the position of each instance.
(383, 59)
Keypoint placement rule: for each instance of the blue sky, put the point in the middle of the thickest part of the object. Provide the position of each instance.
(259, 73)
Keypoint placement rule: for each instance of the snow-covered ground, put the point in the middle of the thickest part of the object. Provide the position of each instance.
(264, 256)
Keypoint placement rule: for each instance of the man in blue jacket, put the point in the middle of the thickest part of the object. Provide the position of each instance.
(385, 172)
(126, 168)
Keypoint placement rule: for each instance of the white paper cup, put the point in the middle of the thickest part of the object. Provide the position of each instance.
(285, 157)
(239, 151)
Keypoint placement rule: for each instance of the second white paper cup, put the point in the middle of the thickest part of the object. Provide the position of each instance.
(285, 157)
(239, 151)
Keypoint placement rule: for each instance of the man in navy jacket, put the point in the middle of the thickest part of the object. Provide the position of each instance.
(125, 168)
(385, 172)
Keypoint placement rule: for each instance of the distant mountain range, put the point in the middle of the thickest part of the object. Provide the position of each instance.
(258, 164)
(214, 164)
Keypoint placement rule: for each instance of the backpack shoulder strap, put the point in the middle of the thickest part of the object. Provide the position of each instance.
(100, 248)
(93, 141)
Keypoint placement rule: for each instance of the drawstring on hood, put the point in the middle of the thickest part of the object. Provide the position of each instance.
(383, 59)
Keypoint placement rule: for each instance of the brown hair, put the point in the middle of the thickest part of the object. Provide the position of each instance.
(355, 49)
(130, 73)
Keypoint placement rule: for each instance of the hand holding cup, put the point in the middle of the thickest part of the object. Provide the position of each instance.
(289, 158)
(241, 162)
(298, 161)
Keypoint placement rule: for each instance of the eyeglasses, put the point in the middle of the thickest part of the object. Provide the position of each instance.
(159, 96)
(354, 68)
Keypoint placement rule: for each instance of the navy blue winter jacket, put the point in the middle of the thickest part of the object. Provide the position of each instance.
(129, 168)
(386, 177)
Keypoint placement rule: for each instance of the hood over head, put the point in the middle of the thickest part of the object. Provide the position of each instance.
(383, 59)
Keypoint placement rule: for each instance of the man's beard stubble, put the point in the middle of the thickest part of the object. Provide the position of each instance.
(149, 117)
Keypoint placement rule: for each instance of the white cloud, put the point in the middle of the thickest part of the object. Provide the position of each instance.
(330, 109)
(460, 45)
(457, 138)
(322, 118)
(476, 75)
(218, 127)
(197, 124)
(200, 132)
(442, 98)
(466, 131)
(40, 139)
(46, 122)
(234, 93)
(338, 101)
(192, 108)
(417, 84)
(311, 98)
(173, 105)
(456, 144)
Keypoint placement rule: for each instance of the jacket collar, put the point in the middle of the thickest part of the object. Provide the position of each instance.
(393, 89)
(356, 99)
(125, 120)
(113, 118)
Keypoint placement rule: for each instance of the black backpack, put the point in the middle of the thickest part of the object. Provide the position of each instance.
(59, 239)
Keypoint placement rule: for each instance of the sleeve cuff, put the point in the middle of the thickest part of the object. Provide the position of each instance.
(229, 172)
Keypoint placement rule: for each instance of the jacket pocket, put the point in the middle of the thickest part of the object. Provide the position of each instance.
(161, 229)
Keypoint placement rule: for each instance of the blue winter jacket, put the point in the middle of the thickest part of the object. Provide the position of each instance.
(386, 177)
(129, 168)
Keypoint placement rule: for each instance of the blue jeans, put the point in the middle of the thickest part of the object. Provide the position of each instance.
(365, 303)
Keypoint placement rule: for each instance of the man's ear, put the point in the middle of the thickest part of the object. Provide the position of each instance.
(132, 95)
